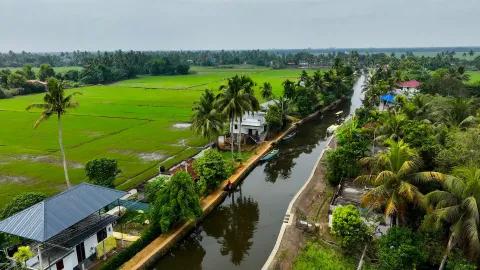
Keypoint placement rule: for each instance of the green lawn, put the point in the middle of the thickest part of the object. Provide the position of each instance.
(474, 76)
(131, 121)
(317, 256)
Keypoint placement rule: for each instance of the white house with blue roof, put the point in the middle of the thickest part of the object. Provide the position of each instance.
(66, 230)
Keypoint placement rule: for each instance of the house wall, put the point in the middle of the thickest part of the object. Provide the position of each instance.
(70, 261)
(259, 118)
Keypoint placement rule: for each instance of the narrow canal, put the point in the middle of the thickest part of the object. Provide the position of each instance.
(241, 232)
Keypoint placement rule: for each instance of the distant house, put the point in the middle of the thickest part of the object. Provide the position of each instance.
(254, 126)
(409, 88)
(67, 230)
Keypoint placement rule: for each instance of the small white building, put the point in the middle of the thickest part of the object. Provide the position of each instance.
(254, 126)
(66, 231)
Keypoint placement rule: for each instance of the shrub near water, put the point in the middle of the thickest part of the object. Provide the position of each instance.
(176, 202)
(349, 227)
(212, 170)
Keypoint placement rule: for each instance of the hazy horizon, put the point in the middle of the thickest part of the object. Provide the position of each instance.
(148, 25)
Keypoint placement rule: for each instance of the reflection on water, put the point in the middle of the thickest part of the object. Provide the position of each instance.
(241, 232)
(232, 225)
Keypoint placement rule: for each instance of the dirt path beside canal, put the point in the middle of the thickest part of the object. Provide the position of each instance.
(311, 205)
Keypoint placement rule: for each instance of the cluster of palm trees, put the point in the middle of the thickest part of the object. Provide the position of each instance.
(396, 184)
(235, 99)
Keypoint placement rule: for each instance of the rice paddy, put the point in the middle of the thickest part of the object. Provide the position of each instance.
(134, 121)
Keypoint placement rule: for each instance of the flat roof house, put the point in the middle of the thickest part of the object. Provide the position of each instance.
(66, 230)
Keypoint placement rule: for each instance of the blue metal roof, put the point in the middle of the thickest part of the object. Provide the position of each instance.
(390, 98)
(50, 217)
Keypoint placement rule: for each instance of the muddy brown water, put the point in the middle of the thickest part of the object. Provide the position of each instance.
(241, 232)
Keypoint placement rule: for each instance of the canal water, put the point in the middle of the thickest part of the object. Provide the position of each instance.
(241, 232)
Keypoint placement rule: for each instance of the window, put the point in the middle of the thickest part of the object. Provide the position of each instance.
(101, 235)
(60, 265)
(81, 256)
(236, 126)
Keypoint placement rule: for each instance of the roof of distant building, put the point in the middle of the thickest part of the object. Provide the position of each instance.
(409, 84)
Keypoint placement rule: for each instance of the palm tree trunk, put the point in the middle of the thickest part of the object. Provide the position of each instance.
(240, 138)
(231, 135)
(447, 252)
(62, 150)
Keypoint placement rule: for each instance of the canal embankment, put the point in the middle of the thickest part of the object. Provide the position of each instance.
(162, 244)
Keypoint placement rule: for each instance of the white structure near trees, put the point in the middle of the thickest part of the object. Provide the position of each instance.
(253, 126)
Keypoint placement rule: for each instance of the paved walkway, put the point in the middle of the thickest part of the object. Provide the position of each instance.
(311, 203)
(165, 241)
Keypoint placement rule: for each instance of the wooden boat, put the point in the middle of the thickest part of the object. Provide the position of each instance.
(289, 136)
(272, 154)
(331, 129)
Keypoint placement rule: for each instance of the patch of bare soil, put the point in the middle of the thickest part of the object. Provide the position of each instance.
(154, 156)
(49, 160)
(9, 179)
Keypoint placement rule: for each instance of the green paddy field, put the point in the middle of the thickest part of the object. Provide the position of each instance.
(132, 121)
(474, 76)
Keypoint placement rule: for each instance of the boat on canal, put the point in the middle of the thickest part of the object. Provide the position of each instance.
(289, 136)
(271, 155)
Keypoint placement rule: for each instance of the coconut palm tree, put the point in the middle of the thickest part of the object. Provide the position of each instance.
(236, 98)
(266, 90)
(56, 103)
(456, 206)
(253, 104)
(283, 103)
(395, 184)
(206, 121)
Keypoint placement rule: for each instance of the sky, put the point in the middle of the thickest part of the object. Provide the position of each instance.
(66, 25)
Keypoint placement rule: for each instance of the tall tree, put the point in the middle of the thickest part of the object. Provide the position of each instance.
(45, 72)
(236, 99)
(288, 89)
(56, 103)
(206, 120)
(457, 207)
(28, 72)
(395, 178)
(266, 91)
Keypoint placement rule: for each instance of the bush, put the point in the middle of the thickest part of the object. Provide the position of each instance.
(342, 162)
(211, 168)
(23, 254)
(315, 256)
(274, 118)
(102, 171)
(457, 261)
(153, 187)
(72, 75)
(306, 101)
(21, 202)
(401, 249)
(45, 72)
(349, 227)
(2, 94)
(176, 202)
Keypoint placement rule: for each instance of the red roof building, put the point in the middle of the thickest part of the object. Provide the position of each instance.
(409, 84)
